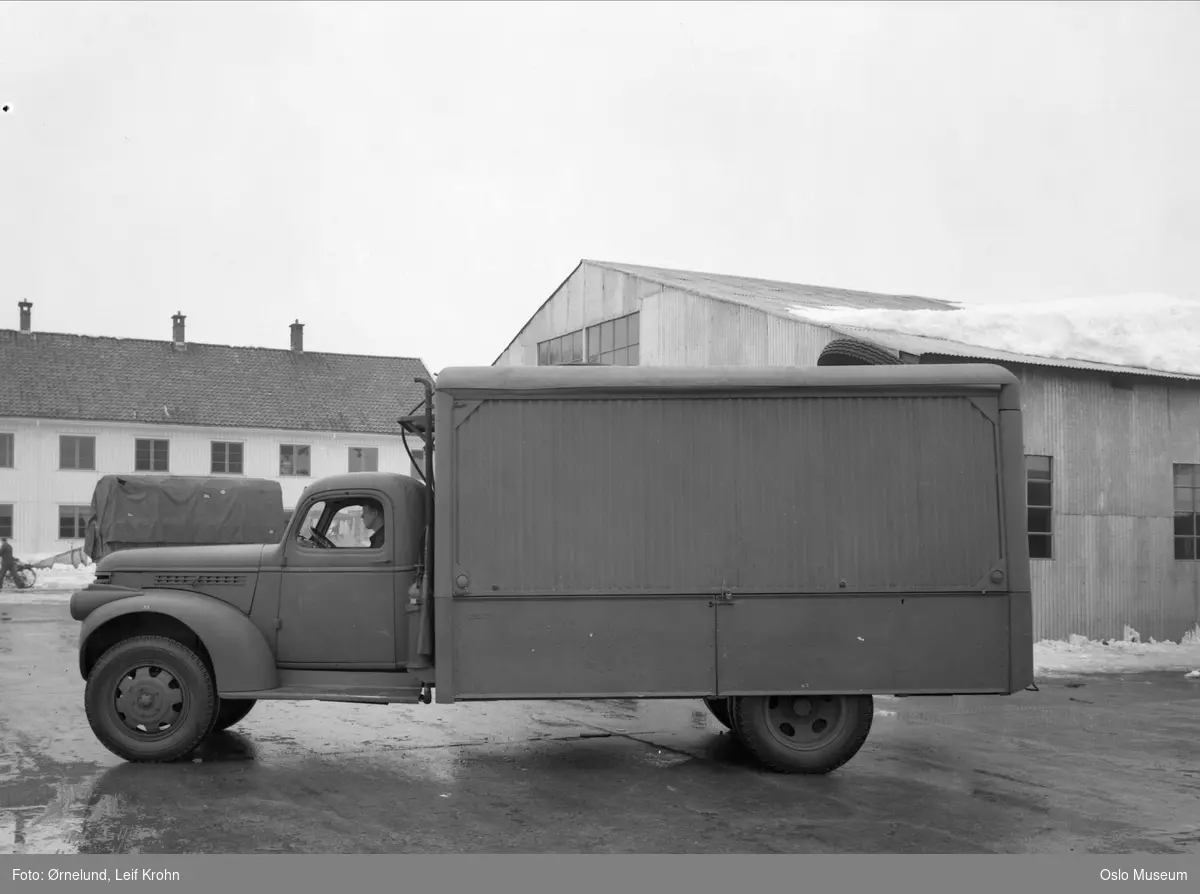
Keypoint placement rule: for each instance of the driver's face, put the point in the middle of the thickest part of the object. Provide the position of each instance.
(370, 516)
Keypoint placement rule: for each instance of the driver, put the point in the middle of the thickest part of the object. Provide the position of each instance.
(373, 518)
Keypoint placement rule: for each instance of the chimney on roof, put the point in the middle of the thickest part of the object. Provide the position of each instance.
(298, 337)
(26, 307)
(178, 329)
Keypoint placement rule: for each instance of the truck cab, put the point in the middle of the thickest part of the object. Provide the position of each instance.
(324, 613)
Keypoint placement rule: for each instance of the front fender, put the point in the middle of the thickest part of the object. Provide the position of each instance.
(242, 660)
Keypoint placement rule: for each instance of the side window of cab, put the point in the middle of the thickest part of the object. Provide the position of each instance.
(349, 523)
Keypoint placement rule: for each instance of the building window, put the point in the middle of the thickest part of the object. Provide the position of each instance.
(226, 458)
(1038, 497)
(615, 343)
(72, 522)
(562, 350)
(1187, 508)
(364, 459)
(6, 520)
(150, 455)
(77, 452)
(294, 461)
(7, 459)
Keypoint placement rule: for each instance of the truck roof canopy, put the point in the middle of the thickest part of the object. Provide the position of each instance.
(983, 376)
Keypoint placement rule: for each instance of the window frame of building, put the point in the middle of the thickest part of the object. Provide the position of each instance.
(368, 459)
(8, 450)
(152, 446)
(78, 440)
(615, 342)
(1185, 484)
(562, 350)
(1039, 499)
(226, 459)
(8, 519)
(80, 520)
(293, 452)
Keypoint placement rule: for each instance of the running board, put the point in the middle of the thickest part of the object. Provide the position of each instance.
(341, 686)
(364, 696)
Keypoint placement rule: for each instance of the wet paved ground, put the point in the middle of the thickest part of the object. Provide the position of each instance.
(1105, 764)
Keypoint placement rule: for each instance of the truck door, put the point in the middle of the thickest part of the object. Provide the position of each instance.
(338, 593)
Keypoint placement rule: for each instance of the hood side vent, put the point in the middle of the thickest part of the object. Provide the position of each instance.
(199, 580)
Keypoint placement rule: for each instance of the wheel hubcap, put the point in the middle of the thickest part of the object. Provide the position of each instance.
(805, 723)
(149, 701)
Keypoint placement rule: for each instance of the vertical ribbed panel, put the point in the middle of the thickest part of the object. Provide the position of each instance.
(1113, 449)
(692, 495)
(1113, 571)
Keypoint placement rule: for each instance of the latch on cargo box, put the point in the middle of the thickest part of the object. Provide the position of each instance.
(725, 598)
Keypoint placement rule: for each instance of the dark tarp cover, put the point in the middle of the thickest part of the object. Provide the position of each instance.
(153, 510)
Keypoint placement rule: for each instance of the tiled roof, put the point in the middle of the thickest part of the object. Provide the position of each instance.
(55, 376)
(768, 294)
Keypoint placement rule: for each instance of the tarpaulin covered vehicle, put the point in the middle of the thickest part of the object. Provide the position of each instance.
(139, 511)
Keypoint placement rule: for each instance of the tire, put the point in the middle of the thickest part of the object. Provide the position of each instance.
(231, 711)
(719, 708)
(855, 352)
(186, 700)
(24, 578)
(803, 734)
(734, 725)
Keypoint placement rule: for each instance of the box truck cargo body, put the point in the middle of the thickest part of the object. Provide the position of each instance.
(732, 532)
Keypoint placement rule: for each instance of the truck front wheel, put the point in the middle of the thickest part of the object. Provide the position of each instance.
(150, 699)
(231, 711)
(803, 733)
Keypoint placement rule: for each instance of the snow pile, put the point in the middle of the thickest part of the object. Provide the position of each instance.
(60, 577)
(1082, 655)
(1147, 331)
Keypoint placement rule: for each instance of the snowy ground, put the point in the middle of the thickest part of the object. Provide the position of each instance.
(1079, 655)
(64, 576)
(54, 584)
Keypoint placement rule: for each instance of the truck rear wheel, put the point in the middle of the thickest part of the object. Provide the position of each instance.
(719, 708)
(150, 699)
(803, 733)
(231, 711)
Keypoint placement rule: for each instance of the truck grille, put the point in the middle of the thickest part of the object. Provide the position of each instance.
(199, 580)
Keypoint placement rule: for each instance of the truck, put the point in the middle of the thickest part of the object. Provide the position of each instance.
(783, 544)
(141, 511)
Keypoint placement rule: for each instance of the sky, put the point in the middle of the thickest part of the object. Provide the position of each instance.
(412, 179)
